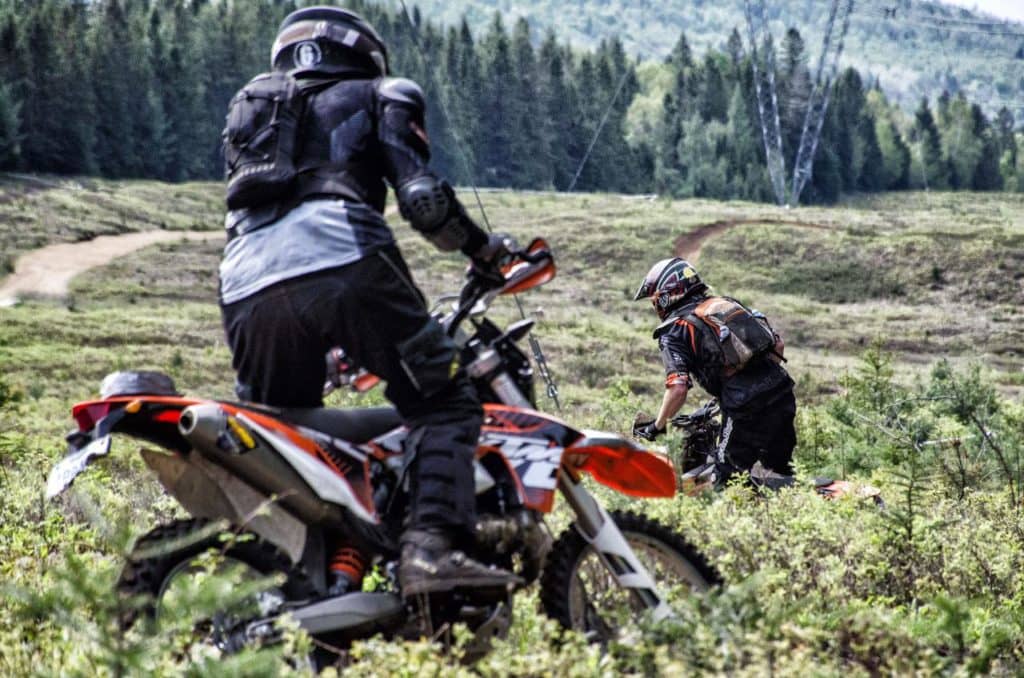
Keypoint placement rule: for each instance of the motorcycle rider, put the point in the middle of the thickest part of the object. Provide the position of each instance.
(319, 268)
(757, 401)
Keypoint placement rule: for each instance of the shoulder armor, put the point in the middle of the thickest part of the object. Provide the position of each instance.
(402, 91)
(663, 327)
(671, 323)
(683, 313)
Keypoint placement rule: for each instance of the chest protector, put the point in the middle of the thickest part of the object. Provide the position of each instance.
(260, 140)
(743, 335)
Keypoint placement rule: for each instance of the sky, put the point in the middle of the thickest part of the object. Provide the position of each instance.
(1004, 9)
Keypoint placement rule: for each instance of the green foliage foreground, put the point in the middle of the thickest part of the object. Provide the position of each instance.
(929, 582)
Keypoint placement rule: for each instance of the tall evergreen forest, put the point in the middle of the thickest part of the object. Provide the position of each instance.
(139, 88)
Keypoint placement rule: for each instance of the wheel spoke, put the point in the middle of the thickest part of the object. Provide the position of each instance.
(584, 595)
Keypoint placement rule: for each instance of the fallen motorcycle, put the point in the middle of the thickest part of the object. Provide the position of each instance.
(702, 430)
(306, 494)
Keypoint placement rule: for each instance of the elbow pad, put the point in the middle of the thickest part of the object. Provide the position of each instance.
(431, 207)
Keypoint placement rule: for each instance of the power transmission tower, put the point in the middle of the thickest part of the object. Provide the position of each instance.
(767, 98)
(817, 105)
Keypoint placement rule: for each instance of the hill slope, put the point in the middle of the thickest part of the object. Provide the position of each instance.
(920, 51)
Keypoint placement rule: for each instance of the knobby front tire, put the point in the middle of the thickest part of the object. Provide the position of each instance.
(579, 593)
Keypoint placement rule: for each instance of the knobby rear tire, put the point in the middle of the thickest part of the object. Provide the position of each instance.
(571, 550)
(178, 542)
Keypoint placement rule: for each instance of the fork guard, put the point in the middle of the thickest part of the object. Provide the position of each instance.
(604, 536)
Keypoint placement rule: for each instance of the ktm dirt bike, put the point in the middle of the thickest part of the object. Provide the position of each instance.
(702, 430)
(325, 492)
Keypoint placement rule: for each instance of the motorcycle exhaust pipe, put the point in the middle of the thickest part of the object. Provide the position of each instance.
(205, 426)
(231, 445)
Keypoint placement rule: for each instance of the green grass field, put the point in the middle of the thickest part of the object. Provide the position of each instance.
(933, 281)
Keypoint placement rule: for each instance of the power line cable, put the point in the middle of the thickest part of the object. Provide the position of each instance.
(597, 132)
(538, 353)
(936, 23)
(892, 9)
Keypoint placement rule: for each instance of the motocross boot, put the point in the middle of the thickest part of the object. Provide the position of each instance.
(430, 565)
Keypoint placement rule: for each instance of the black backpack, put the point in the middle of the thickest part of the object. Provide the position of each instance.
(261, 139)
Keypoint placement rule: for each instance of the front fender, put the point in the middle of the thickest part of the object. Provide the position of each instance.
(623, 465)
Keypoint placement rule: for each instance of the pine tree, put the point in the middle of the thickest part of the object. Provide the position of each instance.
(463, 78)
(794, 92)
(676, 106)
(826, 183)
(745, 148)
(529, 166)
(10, 137)
(872, 173)
(117, 92)
(962, 142)
(986, 175)
(496, 106)
(76, 107)
(734, 48)
(848, 102)
(557, 102)
(934, 173)
(895, 152)
(178, 83)
(714, 98)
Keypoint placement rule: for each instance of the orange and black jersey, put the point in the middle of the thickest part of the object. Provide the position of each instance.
(690, 352)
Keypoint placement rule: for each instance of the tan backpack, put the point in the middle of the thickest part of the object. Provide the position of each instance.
(743, 334)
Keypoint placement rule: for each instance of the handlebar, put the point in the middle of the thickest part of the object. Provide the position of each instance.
(523, 269)
(702, 413)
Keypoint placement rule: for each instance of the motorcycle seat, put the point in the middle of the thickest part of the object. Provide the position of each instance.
(355, 425)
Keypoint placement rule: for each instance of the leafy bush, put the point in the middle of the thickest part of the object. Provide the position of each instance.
(8, 394)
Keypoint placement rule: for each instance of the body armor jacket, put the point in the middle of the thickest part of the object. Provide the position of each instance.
(357, 136)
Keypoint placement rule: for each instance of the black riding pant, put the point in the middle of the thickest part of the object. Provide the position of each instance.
(766, 435)
(372, 309)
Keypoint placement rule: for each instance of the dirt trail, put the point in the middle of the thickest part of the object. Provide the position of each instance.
(49, 270)
(689, 245)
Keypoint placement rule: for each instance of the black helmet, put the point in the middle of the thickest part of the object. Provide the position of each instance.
(669, 282)
(328, 41)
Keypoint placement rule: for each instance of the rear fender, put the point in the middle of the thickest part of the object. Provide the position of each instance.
(623, 465)
(155, 419)
(150, 418)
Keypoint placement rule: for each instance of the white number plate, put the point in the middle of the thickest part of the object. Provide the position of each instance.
(68, 468)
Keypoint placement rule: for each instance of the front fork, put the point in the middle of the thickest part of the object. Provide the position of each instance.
(604, 536)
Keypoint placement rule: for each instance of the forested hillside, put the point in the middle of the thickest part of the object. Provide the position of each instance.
(138, 88)
(915, 48)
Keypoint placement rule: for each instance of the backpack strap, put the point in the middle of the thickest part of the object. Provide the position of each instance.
(683, 312)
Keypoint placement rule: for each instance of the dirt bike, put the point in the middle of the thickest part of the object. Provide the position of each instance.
(702, 430)
(324, 490)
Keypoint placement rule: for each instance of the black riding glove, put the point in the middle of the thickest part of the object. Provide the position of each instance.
(486, 262)
(647, 430)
